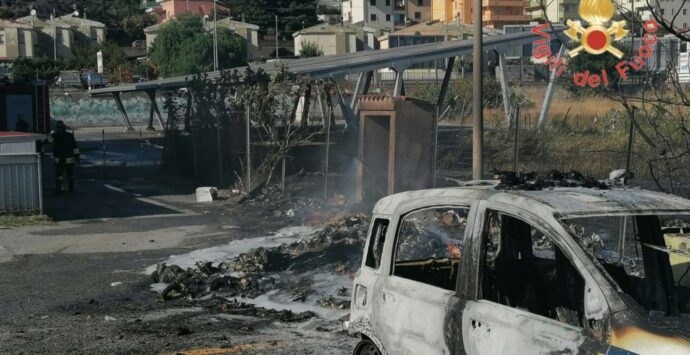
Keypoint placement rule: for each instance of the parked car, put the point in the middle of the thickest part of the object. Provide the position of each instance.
(484, 270)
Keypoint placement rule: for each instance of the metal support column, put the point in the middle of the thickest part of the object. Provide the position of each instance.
(121, 107)
(446, 82)
(437, 114)
(188, 113)
(152, 97)
(399, 89)
(504, 86)
(355, 94)
(364, 90)
(322, 105)
(347, 111)
(549, 91)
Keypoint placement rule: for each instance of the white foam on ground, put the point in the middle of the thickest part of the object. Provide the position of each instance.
(229, 251)
(323, 285)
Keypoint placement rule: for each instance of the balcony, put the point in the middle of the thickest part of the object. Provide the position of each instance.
(148, 4)
(490, 16)
(506, 3)
(399, 5)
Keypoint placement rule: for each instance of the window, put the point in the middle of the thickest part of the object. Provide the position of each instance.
(94, 34)
(2, 38)
(20, 37)
(58, 35)
(388, 2)
(376, 242)
(420, 2)
(429, 246)
(662, 12)
(643, 255)
(372, 2)
(685, 12)
(388, 17)
(373, 17)
(522, 268)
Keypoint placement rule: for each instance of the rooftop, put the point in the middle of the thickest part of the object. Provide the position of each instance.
(565, 202)
(442, 29)
(325, 28)
(78, 21)
(13, 24)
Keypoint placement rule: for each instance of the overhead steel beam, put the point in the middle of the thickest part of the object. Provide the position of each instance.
(121, 108)
(354, 63)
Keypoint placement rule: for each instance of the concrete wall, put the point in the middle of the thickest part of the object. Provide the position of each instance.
(77, 110)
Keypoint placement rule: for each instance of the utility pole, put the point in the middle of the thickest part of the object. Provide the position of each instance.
(277, 57)
(477, 94)
(215, 37)
(55, 37)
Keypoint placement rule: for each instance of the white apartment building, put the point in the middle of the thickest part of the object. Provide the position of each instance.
(382, 13)
(668, 9)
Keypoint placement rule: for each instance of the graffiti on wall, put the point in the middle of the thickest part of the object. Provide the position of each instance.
(79, 110)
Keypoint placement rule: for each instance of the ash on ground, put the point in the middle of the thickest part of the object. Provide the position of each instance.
(292, 282)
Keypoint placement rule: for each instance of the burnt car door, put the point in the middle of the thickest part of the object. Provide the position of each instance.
(529, 297)
(414, 298)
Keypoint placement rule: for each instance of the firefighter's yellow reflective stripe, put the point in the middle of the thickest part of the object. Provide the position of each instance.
(67, 160)
(75, 151)
(60, 178)
(50, 139)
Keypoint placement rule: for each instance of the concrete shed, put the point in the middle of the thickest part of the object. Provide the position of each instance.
(330, 39)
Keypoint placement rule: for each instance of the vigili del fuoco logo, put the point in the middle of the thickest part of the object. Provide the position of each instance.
(598, 35)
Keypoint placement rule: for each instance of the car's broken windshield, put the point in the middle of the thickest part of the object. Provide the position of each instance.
(647, 256)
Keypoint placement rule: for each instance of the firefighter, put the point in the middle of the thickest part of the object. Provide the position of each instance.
(65, 153)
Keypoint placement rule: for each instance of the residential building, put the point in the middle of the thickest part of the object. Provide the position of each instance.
(55, 38)
(17, 40)
(674, 12)
(165, 10)
(419, 11)
(553, 11)
(389, 13)
(247, 31)
(86, 32)
(430, 33)
(442, 10)
(496, 13)
(331, 39)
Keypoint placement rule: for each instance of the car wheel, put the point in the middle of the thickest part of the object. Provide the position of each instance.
(366, 347)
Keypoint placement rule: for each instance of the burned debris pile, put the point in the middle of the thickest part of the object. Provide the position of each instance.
(336, 249)
(510, 180)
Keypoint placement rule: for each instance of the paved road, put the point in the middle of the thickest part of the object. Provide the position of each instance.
(77, 286)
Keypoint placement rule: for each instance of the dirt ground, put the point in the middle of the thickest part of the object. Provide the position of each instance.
(79, 285)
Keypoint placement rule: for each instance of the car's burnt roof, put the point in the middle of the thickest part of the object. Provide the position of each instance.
(561, 201)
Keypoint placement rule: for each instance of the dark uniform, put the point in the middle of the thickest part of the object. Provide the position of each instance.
(65, 154)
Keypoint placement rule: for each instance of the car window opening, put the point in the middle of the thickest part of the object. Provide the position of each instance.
(522, 268)
(647, 256)
(429, 246)
(376, 241)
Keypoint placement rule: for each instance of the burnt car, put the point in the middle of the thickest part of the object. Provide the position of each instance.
(563, 270)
